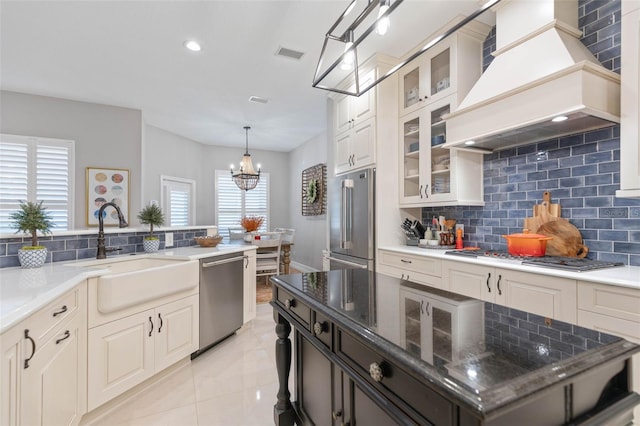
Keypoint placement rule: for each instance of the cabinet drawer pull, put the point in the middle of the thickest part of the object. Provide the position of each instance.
(151, 322)
(66, 336)
(61, 311)
(319, 328)
(161, 322)
(488, 278)
(33, 348)
(289, 303)
(336, 414)
(498, 285)
(405, 261)
(375, 371)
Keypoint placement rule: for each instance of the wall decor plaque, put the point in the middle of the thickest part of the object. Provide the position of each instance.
(314, 190)
(103, 186)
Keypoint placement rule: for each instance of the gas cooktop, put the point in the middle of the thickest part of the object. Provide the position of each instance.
(557, 262)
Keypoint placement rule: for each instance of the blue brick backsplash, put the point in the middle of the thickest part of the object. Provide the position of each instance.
(534, 339)
(76, 247)
(581, 171)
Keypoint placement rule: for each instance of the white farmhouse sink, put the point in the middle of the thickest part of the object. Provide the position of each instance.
(133, 281)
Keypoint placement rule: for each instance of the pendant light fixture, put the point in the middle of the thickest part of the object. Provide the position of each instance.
(246, 178)
(364, 29)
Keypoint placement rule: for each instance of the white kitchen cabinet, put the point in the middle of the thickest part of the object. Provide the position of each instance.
(610, 309)
(11, 365)
(630, 102)
(249, 280)
(127, 351)
(439, 329)
(431, 175)
(452, 66)
(356, 121)
(550, 297)
(44, 368)
(54, 382)
(418, 269)
(356, 148)
(351, 110)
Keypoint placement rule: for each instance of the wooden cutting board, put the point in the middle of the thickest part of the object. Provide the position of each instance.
(567, 240)
(543, 213)
(553, 209)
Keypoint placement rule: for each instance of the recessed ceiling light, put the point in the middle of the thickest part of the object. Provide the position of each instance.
(192, 45)
(559, 118)
(470, 142)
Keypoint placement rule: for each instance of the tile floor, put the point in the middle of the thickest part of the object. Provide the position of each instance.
(234, 383)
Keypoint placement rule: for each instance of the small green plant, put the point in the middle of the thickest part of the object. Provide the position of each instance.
(151, 215)
(31, 218)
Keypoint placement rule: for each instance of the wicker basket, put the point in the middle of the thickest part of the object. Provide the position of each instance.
(210, 241)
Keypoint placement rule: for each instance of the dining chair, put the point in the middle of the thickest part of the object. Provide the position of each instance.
(287, 240)
(287, 234)
(236, 233)
(268, 254)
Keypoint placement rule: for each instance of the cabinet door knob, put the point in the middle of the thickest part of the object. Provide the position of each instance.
(318, 328)
(488, 278)
(289, 303)
(336, 414)
(33, 348)
(375, 371)
(61, 311)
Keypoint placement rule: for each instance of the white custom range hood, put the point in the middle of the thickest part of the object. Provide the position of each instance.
(541, 70)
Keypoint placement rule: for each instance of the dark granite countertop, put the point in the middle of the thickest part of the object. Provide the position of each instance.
(485, 355)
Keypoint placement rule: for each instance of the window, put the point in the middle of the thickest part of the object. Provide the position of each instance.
(36, 169)
(233, 203)
(178, 200)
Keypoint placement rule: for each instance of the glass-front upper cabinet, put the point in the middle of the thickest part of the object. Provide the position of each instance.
(426, 79)
(413, 158)
(451, 66)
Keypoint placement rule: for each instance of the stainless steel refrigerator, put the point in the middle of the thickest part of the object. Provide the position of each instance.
(352, 220)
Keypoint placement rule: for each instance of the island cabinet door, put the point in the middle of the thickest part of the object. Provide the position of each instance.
(314, 384)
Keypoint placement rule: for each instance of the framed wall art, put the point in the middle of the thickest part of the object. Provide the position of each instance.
(104, 186)
(314, 190)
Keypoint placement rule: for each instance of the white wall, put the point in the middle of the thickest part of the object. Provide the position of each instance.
(108, 136)
(105, 136)
(310, 237)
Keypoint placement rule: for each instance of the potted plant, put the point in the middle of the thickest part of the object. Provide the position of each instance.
(251, 224)
(151, 215)
(31, 218)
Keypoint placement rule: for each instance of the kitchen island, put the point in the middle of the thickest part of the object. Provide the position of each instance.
(373, 349)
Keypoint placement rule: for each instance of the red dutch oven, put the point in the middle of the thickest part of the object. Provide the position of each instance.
(527, 244)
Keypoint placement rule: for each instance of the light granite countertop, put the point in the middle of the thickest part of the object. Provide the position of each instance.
(624, 276)
(25, 291)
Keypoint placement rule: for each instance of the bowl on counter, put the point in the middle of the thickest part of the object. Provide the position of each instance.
(208, 241)
(534, 245)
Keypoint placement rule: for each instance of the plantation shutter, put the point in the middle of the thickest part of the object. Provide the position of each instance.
(178, 201)
(232, 203)
(36, 169)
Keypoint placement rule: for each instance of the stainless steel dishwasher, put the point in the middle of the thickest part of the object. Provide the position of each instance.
(221, 298)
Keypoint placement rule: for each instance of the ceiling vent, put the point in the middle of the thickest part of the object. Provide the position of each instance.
(258, 100)
(289, 53)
